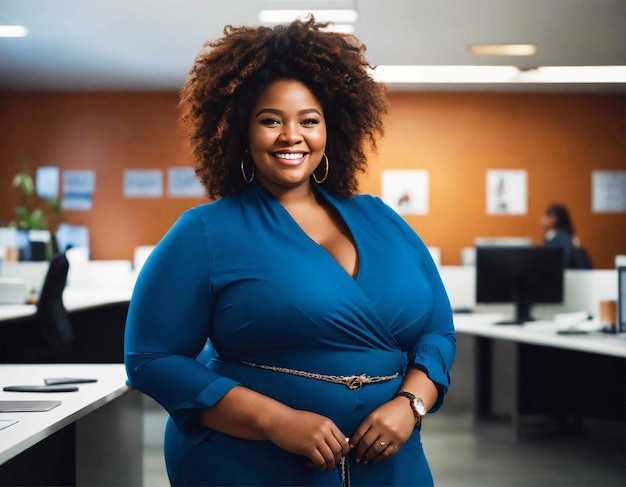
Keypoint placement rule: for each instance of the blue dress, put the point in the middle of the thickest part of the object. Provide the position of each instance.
(241, 273)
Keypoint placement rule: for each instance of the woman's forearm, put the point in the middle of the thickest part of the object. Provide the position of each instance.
(243, 413)
(417, 382)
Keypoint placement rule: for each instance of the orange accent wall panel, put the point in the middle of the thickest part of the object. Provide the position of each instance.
(559, 139)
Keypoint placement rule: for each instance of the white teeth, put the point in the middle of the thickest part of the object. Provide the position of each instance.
(290, 155)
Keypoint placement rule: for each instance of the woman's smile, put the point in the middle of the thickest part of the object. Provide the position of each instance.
(290, 158)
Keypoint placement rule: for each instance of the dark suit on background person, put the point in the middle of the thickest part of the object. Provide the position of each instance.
(559, 232)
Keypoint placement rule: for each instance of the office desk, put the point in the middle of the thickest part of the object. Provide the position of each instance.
(74, 299)
(93, 438)
(97, 317)
(543, 333)
(557, 375)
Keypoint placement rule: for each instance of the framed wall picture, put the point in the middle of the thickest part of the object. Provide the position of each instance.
(406, 191)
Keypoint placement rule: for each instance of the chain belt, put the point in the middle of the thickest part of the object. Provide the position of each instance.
(344, 467)
(352, 382)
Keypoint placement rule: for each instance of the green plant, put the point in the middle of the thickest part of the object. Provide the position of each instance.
(30, 216)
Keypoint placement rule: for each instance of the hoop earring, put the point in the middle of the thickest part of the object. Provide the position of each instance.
(320, 181)
(243, 171)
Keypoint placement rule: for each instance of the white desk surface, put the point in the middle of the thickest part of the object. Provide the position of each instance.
(74, 300)
(539, 333)
(12, 311)
(33, 427)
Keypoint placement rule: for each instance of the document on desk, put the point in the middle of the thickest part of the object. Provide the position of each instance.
(5, 423)
(585, 328)
(27, 406)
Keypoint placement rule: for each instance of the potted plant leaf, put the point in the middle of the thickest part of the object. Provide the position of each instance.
(29, 212)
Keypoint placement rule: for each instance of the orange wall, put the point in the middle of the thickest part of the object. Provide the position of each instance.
(558, 139)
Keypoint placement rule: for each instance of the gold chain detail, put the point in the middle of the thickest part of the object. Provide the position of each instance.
(352, 382)
(345, 472)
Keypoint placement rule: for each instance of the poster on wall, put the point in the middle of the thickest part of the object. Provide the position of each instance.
(507, 192)
(47, 182)
(406, 191)
(143, 183)
(78, 190)
(608, 192)
(182, 182)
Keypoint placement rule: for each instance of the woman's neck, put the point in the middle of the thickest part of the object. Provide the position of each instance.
(296, 197)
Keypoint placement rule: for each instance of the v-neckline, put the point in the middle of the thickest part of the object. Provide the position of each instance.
(328, 198)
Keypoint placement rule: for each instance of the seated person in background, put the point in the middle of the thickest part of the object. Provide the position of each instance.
(559, 231)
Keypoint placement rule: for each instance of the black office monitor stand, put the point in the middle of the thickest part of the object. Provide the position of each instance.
(522, 303)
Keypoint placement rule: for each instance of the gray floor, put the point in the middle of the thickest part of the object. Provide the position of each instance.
(464, 455)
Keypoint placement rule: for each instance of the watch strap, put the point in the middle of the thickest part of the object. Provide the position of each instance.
(412, 400)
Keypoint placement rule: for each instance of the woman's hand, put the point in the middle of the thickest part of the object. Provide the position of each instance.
(383, 431)
(309, 434)
(245, 413)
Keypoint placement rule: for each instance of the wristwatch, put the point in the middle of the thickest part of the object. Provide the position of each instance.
(417, 405)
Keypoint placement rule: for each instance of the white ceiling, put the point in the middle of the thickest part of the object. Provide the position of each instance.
(150, 44)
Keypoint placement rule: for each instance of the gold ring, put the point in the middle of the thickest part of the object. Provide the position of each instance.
(382, 444)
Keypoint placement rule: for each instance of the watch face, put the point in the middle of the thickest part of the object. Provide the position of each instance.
(420, 406)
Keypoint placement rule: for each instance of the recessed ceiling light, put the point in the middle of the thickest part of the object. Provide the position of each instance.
(502, 49)
(282, 16)
(13, 31)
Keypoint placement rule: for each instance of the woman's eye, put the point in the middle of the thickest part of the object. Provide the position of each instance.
(310, 121)
(270, 121)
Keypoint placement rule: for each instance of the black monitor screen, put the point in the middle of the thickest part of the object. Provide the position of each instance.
(522, 275)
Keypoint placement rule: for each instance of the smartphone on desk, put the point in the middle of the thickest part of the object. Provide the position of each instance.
(68, 380)
(41, 388)
(572, 331)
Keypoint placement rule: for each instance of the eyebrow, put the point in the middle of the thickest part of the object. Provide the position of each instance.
(279, 112)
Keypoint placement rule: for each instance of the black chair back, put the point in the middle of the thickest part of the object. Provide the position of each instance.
(579, 259)
(52, 316)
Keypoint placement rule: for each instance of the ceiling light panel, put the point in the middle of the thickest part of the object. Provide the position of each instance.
(13, 31)
(444, 74)
(499, 74)
(343, 16)
(575, 74)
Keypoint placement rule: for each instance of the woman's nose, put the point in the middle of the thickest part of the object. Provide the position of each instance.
(291, 133)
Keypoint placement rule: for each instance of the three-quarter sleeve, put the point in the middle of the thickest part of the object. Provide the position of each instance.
(168, 324)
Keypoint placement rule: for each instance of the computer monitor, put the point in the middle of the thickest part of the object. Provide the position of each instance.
(71, 236)
(522, 275)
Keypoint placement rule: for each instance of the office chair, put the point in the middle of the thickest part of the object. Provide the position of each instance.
(52, 319)
(579, 259)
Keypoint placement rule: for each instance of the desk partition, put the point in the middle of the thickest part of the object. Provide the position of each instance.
(32, 273)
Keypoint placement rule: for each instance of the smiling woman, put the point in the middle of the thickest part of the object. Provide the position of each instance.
(231, 74)
(322, 363)
(287, 136)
